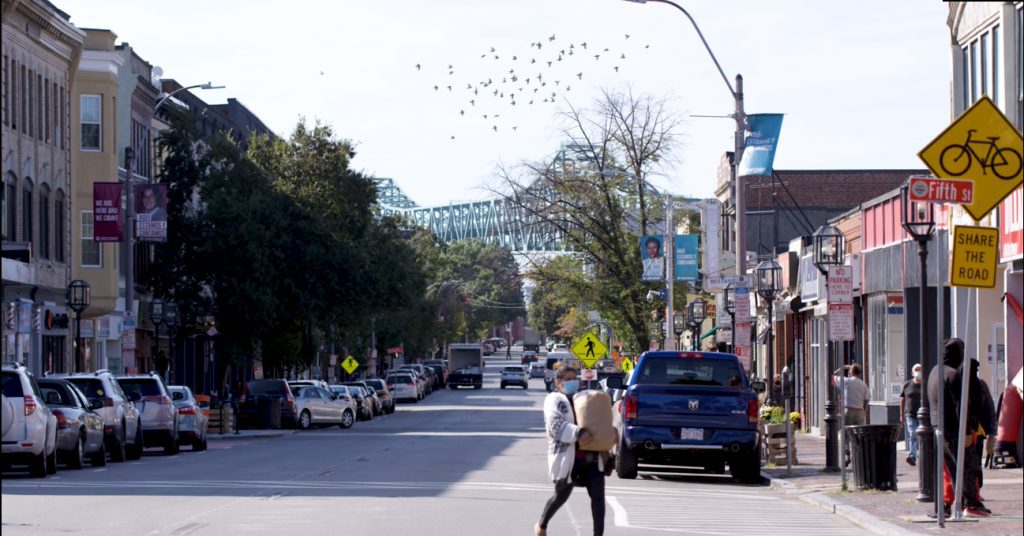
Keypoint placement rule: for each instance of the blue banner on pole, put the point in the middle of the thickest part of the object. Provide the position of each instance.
(686, 253)
(761, 140)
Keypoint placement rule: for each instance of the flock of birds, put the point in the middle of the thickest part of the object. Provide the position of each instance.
(548, 69)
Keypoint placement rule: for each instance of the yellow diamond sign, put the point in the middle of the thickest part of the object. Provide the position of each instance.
(350, 364)
(589, 349)
(981, 145)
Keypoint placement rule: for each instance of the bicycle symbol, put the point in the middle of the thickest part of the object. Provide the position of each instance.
(1005, 162)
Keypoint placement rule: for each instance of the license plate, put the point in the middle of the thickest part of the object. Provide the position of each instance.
(691, 433)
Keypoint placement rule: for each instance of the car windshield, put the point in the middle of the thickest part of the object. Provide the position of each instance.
(12, 385)
(144, 387)
(513, 369)
(376, 384)
(180, 395)
(91, 387)
(672, 370)
(356, 390)
(399, 379)
(267, 387)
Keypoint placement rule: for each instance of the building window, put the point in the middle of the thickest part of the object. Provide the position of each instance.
(982, 67)
(47, 128)
(6, 91)
(91, 250)
(11, 209)
(44, 223)
(63, 117)
(21, 93)
(92, 131)
(40, 104)
(26, 213)
(59, 217)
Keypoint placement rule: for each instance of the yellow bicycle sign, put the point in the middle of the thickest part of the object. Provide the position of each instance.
(983, 146)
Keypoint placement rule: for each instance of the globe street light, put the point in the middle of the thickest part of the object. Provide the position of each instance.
(769, 274)
(829, 250)
(695, 311)
(77, 297)
(918, 219)
(678, 326)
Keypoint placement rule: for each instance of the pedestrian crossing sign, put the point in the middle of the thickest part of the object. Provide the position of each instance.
(627, 365)
(589, 349)
(350, 364)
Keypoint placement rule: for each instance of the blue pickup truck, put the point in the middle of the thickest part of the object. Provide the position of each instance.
(691, 409)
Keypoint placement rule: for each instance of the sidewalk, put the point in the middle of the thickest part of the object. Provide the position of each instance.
(885, 512)
(248, 434)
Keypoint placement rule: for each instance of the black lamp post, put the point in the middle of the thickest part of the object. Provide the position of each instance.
(730, 307)
(696, 311)
(918, 219)
(156, 316)
(829, 249)
(678, 326)
(769, 274)
(171, 317)
(77, 298)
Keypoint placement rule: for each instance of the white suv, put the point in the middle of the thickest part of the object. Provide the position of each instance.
(514, 375)
(29, 428)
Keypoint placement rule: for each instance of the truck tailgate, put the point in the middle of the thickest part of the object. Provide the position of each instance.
(691, 406)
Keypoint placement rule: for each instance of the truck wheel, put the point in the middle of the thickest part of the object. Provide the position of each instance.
(625, 461)
(478, 386)
(746, 468)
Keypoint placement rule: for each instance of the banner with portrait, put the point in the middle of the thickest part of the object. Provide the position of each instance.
(151, 212)
(653, 256)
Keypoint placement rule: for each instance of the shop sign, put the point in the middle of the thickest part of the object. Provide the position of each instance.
(975, 252)
(1011, 227)
(742, 301)
(811, 282)
(840, 321)
(894, 304)
(87, 329)
(103, 329)
(720, 283)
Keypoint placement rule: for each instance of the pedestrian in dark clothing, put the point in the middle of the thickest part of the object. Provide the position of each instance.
(981, 398)
(949, 377)
(910, 402)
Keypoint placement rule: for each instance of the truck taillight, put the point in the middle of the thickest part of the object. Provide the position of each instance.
(30, 405)
(752, 411)
(630, 403)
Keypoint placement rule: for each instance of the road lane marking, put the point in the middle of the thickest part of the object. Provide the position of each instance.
(621, 517)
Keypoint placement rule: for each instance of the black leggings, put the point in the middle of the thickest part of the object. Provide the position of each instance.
(594, 480)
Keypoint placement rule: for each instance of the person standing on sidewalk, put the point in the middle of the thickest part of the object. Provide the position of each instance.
(910, 402)
(855, 403)
(567, 464)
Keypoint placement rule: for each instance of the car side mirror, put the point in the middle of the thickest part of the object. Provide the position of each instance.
(95, 403)
(757, 386)
(134, 396)
(614, 382)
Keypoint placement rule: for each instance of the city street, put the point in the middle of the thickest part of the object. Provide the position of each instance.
(460, 462)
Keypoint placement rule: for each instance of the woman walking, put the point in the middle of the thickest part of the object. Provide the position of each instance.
(567, 464)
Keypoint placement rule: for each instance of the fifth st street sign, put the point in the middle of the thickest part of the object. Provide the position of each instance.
(932, 190)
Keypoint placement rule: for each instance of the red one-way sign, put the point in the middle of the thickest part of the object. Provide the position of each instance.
(932, 190)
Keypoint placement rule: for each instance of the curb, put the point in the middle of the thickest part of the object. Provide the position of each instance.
(831, 505)
(240, 437)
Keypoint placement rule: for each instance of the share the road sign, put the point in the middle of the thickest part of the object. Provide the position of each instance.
(975, 254)
(983, 146)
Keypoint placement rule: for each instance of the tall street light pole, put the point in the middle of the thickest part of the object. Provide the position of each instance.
(829, 250)
(730, 307)
(77, 297)
(696, 312)
(741, 119)
(918, 219)
(768, 285)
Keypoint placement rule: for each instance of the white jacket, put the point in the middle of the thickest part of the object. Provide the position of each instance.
(560, 425)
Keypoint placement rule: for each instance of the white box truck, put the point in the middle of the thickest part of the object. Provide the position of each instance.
(465, 365)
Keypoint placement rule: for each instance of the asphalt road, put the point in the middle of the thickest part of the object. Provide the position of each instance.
(460, 462)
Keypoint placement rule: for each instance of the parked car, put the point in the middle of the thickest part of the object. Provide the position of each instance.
(381, 387)
(488, 348)
(264, 392)
(79, 427)
(421, 382)
(193, 420)
(688, 408)
(514, 375)
(316, 405)
(350, 408)
(122, 421)
(30, 428)
(317, 383)
(376, 406)
(529, 357)
(424, 374)
(403, 386)
(536, 370)
(440, 375)
(365, 405)
(159, 416)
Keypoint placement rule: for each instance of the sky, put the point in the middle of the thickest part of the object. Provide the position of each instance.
(863, 85)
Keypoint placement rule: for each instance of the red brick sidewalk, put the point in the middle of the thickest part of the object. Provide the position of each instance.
(886, 512)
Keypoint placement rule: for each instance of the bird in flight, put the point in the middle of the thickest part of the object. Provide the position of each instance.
(450, 66)
(514, 58)
(462, 112)
(435, 88)
(453, 137)
(472, 103)
(579, 75)
(449, 89)
(533, 60)
(647, 46)
(417, 66)
(321, 73)
(567, 88)
(627, 36)
(549, 64)
(495, 128)
(492, 50)
(616, 68)
(597, 56)
(623, 56)
(515, 128)
(584, 45)
(552, 38)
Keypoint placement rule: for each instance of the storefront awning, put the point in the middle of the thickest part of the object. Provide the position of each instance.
(709, 333)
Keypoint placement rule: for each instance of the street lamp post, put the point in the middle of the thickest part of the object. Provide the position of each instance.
(678, 326)
(741, 119)
(696, 312)
(769, 274)
(829, 251)
(173, 322)
(730, 307)
(77, 297)
(156, 316)
(918, 219)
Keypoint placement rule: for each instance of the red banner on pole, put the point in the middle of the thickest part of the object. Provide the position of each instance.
(106, 212)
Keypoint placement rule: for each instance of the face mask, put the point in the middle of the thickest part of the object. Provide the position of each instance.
(570, 386)
(917, 375)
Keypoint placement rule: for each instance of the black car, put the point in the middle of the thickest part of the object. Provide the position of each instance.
(363, 404)
(440, 375)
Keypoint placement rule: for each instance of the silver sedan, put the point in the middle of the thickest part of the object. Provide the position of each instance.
(192, 419)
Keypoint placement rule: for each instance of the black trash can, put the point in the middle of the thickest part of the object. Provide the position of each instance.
(264, 413)
(873, 449)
